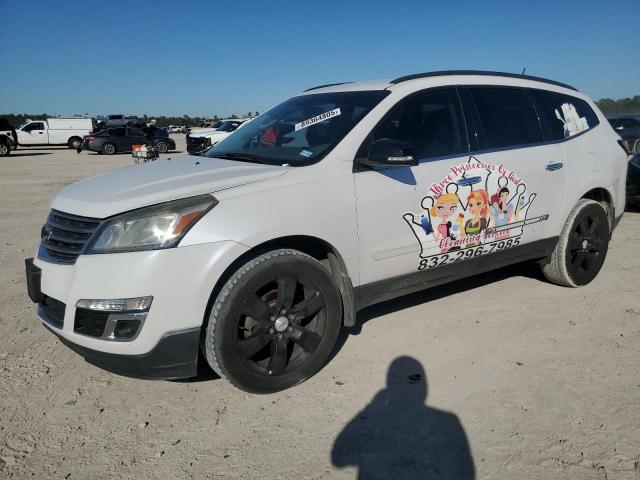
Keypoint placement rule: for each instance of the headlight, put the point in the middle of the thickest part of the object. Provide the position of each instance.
(151, 228)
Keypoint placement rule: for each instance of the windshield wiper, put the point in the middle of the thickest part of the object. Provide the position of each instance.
(241, 157)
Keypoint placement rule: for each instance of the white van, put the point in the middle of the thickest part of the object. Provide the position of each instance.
(257, 252)
(54, 131)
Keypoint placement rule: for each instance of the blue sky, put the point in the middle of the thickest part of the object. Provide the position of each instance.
(217, 57)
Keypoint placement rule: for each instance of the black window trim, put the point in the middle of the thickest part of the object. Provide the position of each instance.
(358, 167)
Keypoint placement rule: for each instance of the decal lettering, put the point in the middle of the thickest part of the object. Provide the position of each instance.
(459, 220)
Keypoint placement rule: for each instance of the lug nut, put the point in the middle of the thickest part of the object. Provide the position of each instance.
(271, 331)
(273, 318)
(290, 329)
(280, 335)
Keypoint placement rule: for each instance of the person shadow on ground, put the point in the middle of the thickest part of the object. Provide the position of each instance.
(398, 437)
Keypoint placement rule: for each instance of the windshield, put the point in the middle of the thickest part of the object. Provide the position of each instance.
(299, 131)
(227, 126)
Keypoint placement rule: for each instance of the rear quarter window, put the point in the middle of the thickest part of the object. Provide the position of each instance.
(562, 116)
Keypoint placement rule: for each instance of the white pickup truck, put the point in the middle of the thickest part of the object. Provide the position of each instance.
(54, 131)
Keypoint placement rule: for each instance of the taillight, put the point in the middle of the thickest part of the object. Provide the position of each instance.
(625, 146)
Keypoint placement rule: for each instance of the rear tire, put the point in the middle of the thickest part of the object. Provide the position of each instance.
(5, 150)
(274, 323)
(74, 142)
(582, 246)
(108, 149)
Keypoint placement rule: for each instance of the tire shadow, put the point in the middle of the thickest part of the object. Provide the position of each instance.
(34, 154)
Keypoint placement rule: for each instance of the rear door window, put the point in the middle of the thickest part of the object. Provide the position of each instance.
(507, 117)
(562, 116)
(118, 132)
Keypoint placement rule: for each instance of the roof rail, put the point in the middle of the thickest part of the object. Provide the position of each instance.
(478, 72)
(327, 85)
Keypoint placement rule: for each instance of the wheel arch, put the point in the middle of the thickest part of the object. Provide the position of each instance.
(315, 247)
(604, 197)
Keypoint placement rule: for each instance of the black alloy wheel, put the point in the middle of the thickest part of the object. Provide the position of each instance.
(587, 245)
(275, 322)
(162, 147)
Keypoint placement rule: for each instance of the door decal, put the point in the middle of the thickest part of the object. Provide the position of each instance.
(478, 208)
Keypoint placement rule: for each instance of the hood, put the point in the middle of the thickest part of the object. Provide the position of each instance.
(156, 182)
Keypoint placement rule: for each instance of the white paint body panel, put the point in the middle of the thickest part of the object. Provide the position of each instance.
(359, 214)
(57, 131)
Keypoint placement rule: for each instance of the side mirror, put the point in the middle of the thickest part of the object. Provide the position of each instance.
(387, 152)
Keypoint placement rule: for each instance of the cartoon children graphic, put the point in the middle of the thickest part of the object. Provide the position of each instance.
(478, 205)
(501, 210)
(444, 208)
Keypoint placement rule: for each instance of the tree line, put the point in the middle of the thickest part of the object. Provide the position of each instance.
(629, 105)
(16, 119)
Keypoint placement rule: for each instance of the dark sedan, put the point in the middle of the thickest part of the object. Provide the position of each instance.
(117, 140)
(633, 181)
(628, 127)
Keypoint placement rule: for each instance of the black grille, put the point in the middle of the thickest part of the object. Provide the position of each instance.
(52, 311)
(64, 236)
(197, 144)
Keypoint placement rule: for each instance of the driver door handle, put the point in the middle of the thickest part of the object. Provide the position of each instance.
(554, 166)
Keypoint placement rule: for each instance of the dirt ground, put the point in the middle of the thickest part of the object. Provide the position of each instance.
(525, 379)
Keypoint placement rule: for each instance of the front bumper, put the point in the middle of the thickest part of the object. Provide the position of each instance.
(180, 281)
(175, 356)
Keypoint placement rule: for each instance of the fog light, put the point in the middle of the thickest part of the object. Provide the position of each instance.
(136, 304)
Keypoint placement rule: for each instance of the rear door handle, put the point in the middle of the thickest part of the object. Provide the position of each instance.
(554, 166)
(468, 181)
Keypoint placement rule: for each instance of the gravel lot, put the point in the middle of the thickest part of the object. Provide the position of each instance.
(528, 379)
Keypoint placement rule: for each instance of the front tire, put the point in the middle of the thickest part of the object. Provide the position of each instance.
(5, 150)
(108, 149)
(274, 323)
(582, 246)
(162, 147)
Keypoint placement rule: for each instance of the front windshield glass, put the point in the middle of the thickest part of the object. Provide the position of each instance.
(227, 126)
(299, 131)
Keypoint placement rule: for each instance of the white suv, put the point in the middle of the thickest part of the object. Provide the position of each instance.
(345, 195)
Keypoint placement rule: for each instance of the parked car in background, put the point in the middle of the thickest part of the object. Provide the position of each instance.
(256, 253)
(55, 131)
(122, 139)
(633, 181)
(628, 127)
(202, 139)
(120, 120)
(177, 129)
(8, 137)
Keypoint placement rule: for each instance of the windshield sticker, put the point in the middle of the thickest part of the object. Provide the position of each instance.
(463, 217)
(573, 123)
(318, 118)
